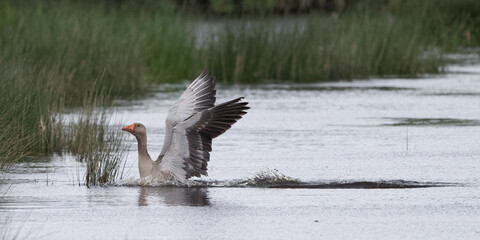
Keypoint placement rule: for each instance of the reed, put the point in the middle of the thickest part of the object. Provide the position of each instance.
(28, 112)
(362, 43)
(119, 49)
(106, 164)
(46, 66)
(99, 146)
(34, 125)
(371, 39)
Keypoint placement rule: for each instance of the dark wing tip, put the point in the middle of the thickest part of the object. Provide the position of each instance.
(204, 73)
(207, 75)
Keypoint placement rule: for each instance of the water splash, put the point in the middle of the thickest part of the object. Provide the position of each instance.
(275, 179)
(266, 178)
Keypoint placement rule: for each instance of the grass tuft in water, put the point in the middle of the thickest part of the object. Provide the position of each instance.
(99, 146)
(106, 163)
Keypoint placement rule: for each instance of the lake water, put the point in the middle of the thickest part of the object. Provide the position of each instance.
(367, 159)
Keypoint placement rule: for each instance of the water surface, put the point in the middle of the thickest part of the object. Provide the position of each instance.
(369, 159)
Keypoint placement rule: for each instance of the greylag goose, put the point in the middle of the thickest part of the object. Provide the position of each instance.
(192, 122)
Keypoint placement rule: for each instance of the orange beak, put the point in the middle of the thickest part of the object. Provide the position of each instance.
(129, 128)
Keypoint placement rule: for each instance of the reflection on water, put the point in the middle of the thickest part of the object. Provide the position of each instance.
(174, 196)
(454, 94)
(333, 88)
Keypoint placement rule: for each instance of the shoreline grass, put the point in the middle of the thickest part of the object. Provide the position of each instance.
(103, 47)
(50, 62)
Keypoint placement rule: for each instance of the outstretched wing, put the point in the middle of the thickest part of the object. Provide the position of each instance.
(200, 95)
(188, 153)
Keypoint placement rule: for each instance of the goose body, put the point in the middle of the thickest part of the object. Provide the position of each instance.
(192, 122)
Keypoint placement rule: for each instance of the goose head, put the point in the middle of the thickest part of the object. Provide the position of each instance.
(136, 129)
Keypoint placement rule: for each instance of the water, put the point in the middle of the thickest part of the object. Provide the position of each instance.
(370, 159)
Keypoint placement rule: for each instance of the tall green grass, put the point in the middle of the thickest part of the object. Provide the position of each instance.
(28, 113)
(83, 50)
(30, 110)
(118, 49)
(361, 43)
(397, 38)
(54, 58)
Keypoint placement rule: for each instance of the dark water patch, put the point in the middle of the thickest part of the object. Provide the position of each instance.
(339, 88)
(395, 184)
(9, 181)
(433, 122)
(454, 94)
(287, 183)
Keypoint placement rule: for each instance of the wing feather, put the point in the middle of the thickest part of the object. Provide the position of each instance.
(188, 153)
(200, 95)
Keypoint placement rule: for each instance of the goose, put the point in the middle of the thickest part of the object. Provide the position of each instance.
(191, 124)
